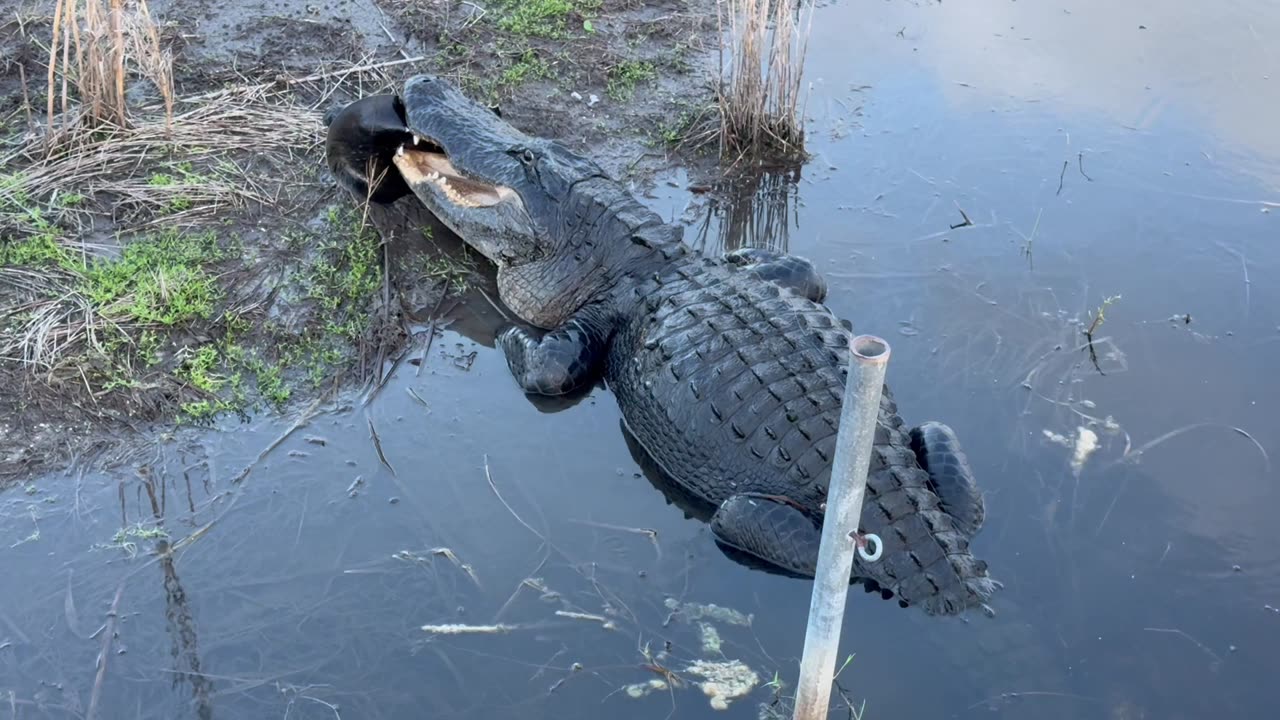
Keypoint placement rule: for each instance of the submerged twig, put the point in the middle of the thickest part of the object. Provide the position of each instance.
(1176, 631)
(1099, 317)
(591, 617)
(967, 222)
(104, 652)
(1032, 693)
(459, 629)
(1133, 455)
(1080, 157)
(431, 332)
(377, 445)
(647, 532)
(1062, 176)
(489, 477)
(414, 394)
(302, 420)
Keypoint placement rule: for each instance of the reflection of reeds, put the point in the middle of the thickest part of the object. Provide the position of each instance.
(757, 211)
(183, 640)
(760, 99)
(98, 40)
(184, 643)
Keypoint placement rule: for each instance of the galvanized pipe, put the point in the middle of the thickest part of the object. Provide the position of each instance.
(840, 539)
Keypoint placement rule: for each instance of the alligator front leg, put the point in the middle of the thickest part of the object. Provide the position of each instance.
(565, 359)
(789, 271)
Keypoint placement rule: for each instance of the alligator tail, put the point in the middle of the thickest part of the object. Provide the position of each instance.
(926, 561)
(936, 573)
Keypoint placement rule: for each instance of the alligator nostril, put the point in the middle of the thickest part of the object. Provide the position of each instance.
(416, 80)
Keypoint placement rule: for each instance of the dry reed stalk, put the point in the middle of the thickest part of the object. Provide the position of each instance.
(66, 50)
(54, 320)
(117, 64)
(156, 60)
(53, 57)
(760, 99)
(26, 98)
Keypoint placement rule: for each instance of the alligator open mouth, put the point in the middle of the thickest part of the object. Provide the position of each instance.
(424, 162)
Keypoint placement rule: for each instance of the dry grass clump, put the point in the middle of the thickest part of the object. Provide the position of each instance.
(156, 169)
(95, 45)
(133, 176)
(182, 166)
(760, 93)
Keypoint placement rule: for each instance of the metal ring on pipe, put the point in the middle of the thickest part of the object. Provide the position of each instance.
(867, 540)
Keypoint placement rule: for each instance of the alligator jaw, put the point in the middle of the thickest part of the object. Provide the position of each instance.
(421, 168)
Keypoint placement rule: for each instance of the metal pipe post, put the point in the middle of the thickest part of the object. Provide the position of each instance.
(860, 408)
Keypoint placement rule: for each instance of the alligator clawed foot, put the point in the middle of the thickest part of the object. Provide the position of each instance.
(517, 346)
(788, 271)
(561, 362)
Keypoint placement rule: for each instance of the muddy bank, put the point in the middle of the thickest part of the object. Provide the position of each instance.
(208, 269)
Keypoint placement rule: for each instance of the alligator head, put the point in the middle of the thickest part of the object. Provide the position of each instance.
(499, 189)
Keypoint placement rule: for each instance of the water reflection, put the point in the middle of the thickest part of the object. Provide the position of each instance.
(751, 210)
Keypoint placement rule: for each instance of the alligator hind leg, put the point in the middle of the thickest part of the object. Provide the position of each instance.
(937, 449)
(564, 359)
(788, 271)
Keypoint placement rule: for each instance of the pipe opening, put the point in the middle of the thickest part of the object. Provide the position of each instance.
(869, 347)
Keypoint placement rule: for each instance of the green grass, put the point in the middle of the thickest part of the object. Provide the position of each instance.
(626, 75)
(342, 280)
(40, 250)
(676, 130)
(349, 270)
(158, 279)
(183, 175)
(272, 386)
(528, 66)
(126, 538)
(543, 18)
(200, 369)
(157, 285)
(27, 234)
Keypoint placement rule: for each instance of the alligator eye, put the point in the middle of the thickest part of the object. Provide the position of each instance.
(527, 157)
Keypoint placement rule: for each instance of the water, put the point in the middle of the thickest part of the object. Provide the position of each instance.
(288, 597)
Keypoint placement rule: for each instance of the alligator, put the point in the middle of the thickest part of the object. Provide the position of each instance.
(729, 371)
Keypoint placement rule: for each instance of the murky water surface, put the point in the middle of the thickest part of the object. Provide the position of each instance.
(1097, 149)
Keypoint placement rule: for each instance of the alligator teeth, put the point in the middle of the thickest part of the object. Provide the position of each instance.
(416, 139)
(457, 198)
(400, 150)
